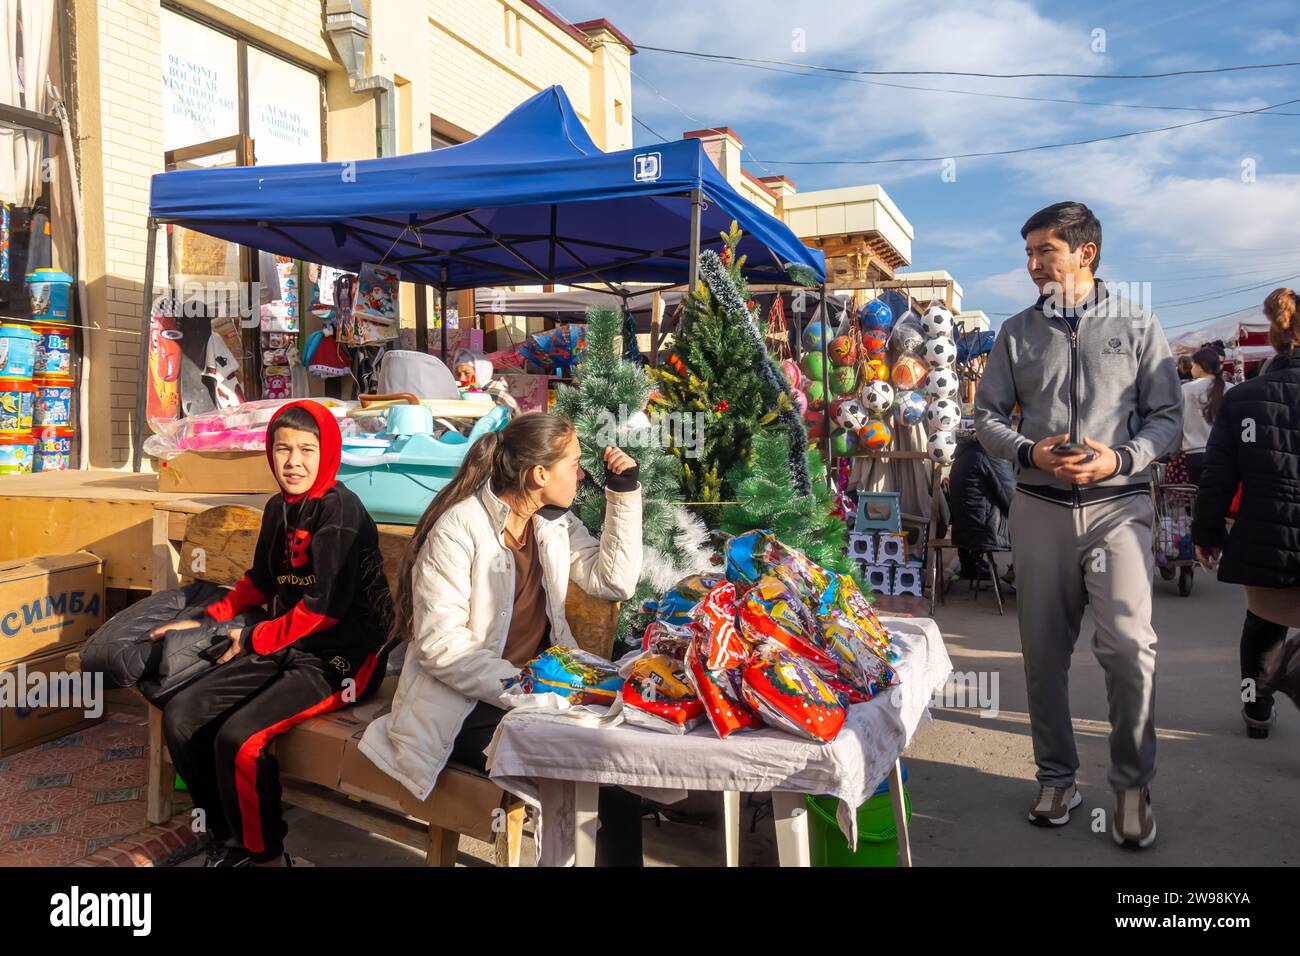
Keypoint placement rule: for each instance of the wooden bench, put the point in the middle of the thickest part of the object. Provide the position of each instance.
(217, 545)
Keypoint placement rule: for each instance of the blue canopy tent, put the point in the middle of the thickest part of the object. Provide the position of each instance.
(532, 200)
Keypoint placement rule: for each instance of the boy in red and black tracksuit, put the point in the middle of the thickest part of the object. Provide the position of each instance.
(319, 567)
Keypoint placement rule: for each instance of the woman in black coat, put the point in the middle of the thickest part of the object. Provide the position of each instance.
(1255, 443)
(980, 488)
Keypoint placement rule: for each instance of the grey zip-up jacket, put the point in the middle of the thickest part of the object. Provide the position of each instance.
(1113, 380)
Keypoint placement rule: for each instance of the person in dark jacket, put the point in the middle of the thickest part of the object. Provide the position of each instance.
(981, 488)
(318, 566)
(1255, 444)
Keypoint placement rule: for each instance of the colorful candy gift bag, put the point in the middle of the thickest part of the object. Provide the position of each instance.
(842, 600)
(575, 675)
(657, 696)
(665, 639)
(719, 692)
(721, 642)
(786, 693)
(771, 611)
(755, 554)
(679, 602)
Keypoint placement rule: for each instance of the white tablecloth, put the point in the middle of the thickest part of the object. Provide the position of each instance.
(533, 751)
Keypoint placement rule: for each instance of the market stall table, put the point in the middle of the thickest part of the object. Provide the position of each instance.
(557, 762)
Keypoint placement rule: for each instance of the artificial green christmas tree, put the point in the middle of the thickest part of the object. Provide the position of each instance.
(720, 371)
(807, 522)
(606, 406)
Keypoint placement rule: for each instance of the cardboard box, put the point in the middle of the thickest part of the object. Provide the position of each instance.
(55, 600)
(27, 683)
(217, 473)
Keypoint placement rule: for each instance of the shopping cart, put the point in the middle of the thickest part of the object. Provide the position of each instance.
(1172, 537)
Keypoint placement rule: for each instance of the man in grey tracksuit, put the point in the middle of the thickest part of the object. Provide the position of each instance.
(1090, 368)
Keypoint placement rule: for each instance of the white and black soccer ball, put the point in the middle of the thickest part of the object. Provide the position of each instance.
(850, 415)
(940, 352)
(941, 447)
(941, 383)
(943, 415)
(878, 397)
(936, 321)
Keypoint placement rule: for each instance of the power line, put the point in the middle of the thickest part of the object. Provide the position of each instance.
(992, 76)
(1223, 294)
(999, 96)
(1022, 149)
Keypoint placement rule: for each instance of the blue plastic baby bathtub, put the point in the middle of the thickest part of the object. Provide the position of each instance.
(397, 477)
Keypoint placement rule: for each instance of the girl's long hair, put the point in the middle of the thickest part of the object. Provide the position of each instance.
(506, 457)
(1283, 330)
(1209, 360)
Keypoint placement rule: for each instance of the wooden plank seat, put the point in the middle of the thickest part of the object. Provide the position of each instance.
(322, 770)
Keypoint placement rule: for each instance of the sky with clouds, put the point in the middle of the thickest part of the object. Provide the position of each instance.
(1208, 215)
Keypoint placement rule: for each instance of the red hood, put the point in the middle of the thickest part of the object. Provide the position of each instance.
(331, 445)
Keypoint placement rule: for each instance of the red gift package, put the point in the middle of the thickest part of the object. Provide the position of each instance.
(786, 693)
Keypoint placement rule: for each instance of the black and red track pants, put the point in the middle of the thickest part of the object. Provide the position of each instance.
(219, 731)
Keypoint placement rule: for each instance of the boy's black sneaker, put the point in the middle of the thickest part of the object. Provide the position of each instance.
(223, 854)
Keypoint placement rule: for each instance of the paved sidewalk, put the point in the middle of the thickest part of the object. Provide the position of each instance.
(1220, 798)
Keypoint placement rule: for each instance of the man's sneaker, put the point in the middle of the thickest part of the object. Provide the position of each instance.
(1054, 805)
(1257, 725)
(1134, 824)
(223, 854)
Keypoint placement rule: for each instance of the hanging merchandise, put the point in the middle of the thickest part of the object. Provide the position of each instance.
(328, 359)
(221, 373)
(345, 288)
(282, 314)
(374, 310)
(164, 395)
(4, 242)
(365, 367)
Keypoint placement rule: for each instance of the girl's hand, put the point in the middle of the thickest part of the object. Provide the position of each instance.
(236, 646)
(618, 461)
(159, 632)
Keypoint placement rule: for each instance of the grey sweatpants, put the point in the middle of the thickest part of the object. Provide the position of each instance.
(1104, 551)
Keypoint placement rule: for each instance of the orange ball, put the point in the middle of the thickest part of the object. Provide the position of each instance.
(875, 435)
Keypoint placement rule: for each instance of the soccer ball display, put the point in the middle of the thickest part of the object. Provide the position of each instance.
(910, 407)
(936, 321)
(909, 373)
(875, 436)
(941, 383)
(876, 370)
(875, 316)
(875, 344)
(844, 443)
(940, 352)
(878, 397)
(849, 414)
(941, 447)
(843, 350)
(943, 415)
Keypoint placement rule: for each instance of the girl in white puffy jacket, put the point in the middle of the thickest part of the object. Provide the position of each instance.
(482, 592)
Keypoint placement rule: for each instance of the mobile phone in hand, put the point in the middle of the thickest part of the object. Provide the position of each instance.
(1069, 448)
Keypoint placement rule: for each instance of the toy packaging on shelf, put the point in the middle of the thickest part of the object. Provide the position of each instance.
(237, 429)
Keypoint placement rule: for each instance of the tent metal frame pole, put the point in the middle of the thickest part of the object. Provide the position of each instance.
(442, 312)
(697, 211)
(421, 317)
(146, 318)
(826, 389)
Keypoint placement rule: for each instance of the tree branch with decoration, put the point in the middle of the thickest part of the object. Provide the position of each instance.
(720, 371)
(607, 407)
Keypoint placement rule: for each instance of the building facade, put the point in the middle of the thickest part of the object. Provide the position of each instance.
(160, 85)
